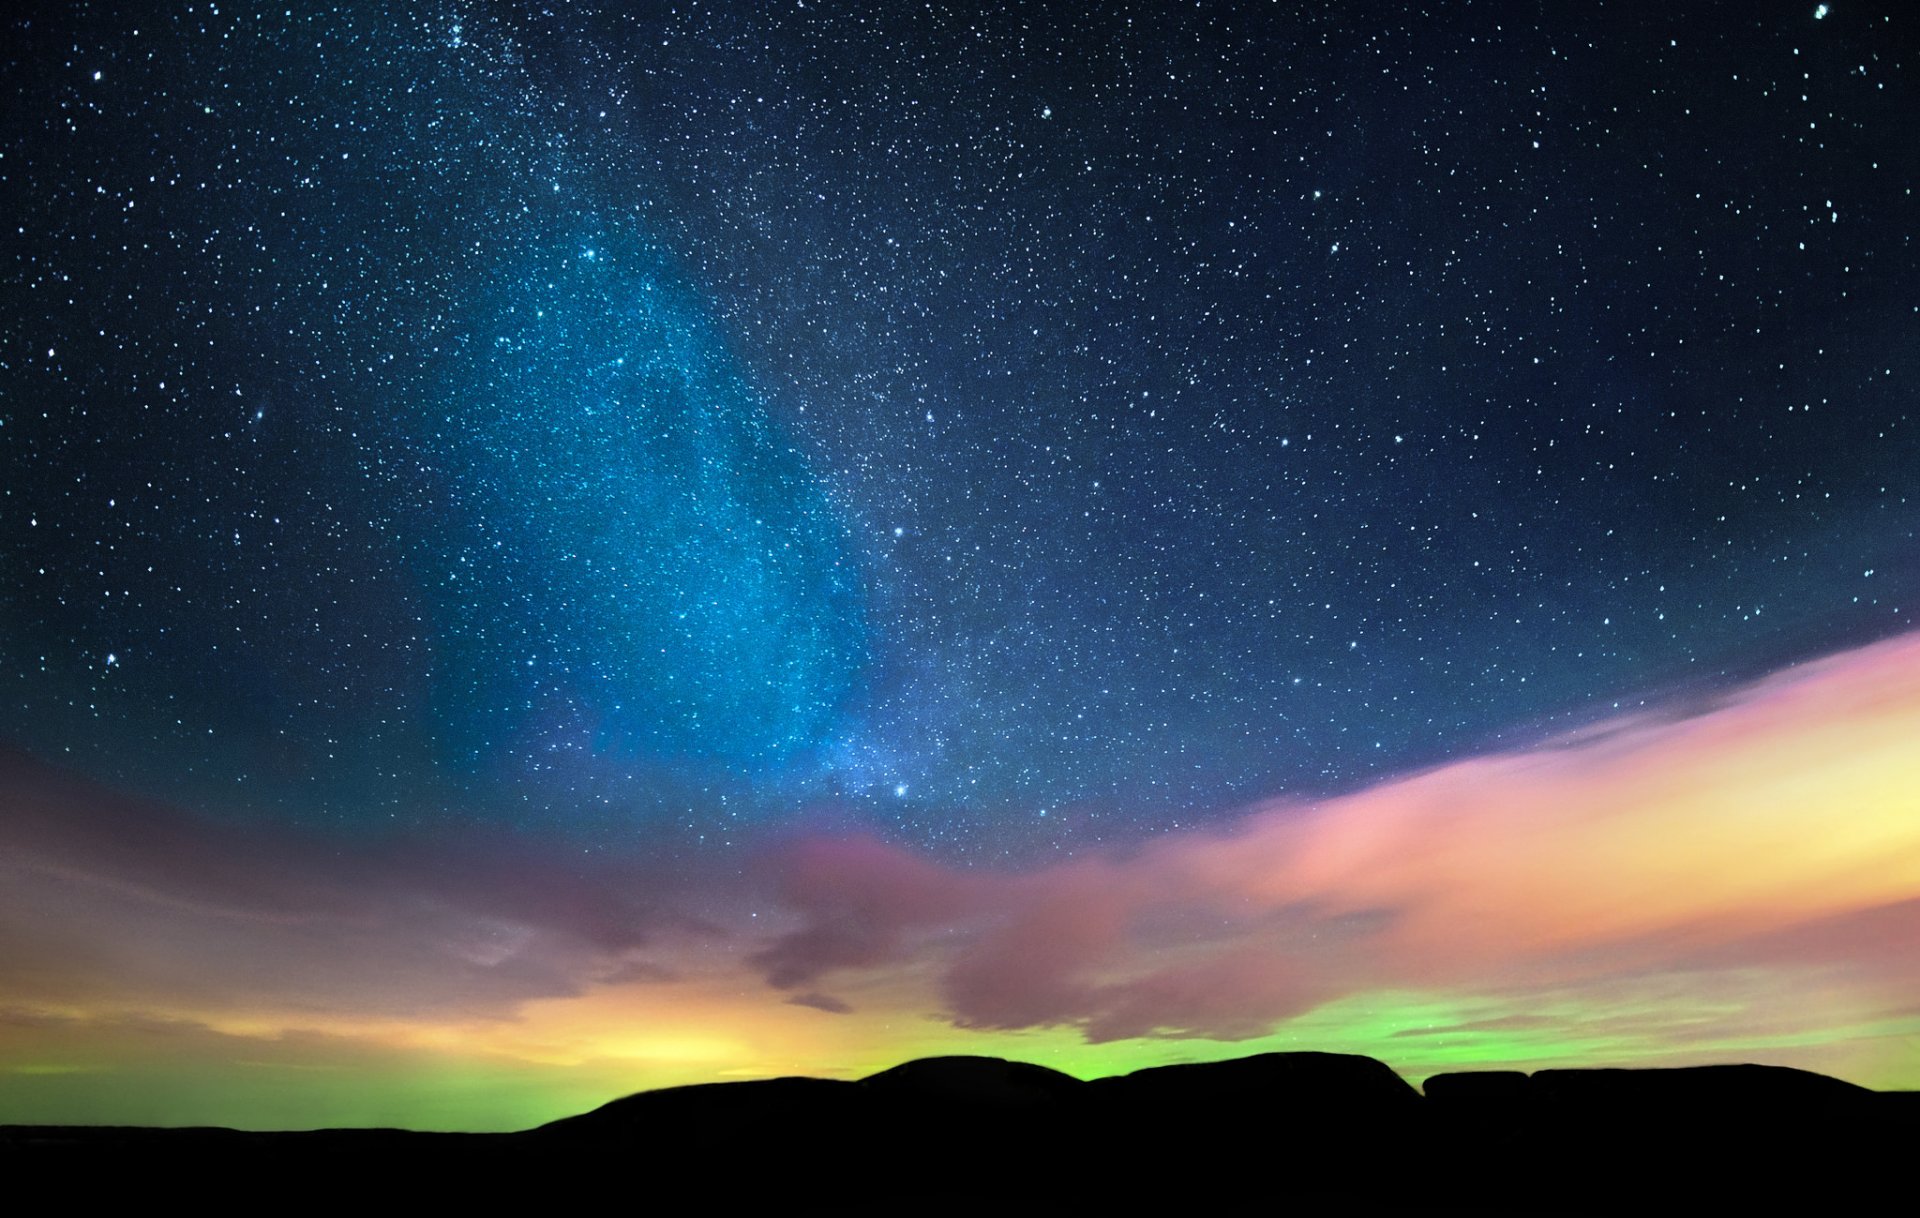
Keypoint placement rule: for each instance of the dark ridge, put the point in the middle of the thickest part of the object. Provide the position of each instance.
(712, 1110)
(974, 1082)
(1318, 1081)
(1321, 1127)
(1735, 1087)
(1491, 1090)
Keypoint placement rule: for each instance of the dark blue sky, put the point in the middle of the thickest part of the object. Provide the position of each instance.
(1014, 426)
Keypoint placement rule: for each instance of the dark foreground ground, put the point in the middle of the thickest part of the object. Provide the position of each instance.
(1253, 1134)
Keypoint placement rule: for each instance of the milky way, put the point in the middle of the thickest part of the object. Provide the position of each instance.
(1033, 437)
(645, 569)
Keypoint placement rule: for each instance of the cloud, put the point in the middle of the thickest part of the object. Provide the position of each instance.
(137, 904)
(1236, 994)
(861, 900)
(821, 1002)
(1499, 1023)
(1777, 823)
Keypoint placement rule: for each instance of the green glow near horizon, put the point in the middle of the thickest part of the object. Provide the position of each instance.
(293, 1084)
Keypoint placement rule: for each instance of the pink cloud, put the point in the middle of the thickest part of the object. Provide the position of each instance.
(1781, 820)
(861, 899)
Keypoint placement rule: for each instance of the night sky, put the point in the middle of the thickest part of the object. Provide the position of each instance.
(727, 496)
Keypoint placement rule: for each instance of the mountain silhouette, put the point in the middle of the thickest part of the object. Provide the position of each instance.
(1321, 1127)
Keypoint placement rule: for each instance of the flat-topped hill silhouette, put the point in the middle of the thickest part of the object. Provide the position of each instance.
(1319, 1125)
(1315, 1082)
(1731, 1092)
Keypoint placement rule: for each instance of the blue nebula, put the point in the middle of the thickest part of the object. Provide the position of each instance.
(645, 568)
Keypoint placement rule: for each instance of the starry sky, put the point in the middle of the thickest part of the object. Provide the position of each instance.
(550, 550)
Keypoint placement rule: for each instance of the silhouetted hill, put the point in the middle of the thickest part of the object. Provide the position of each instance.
(1288, 1126)
(978, 1082)
(707, 1111)
(1315, 1082)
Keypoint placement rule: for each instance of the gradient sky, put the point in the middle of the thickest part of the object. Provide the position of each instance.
(555, 551)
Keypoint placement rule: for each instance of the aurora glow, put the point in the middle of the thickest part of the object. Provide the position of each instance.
(549, 553)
